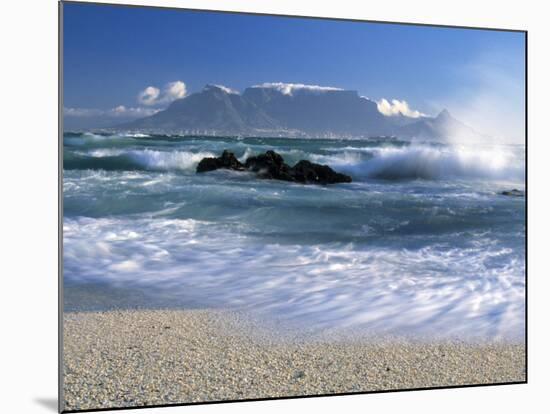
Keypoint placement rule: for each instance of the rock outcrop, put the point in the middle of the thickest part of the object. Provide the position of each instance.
(513, 193)
(308, 172)
(271, 165)
(227, 161)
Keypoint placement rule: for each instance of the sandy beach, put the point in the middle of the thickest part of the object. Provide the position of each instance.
(136, 358)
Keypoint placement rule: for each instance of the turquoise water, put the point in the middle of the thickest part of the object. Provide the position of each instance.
(420, 242)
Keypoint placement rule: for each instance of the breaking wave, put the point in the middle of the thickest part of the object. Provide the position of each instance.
(120, 160)
(377, 160)
(426, 162)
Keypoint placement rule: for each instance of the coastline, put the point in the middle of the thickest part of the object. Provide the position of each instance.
(151, 357)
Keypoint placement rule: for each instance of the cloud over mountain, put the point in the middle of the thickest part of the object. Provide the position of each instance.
(152, 95)
(271, 109)
(223, 88)
(397, 107)
(300, 110)
(290, 88)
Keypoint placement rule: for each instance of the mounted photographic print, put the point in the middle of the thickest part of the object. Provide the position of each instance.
(260, 206)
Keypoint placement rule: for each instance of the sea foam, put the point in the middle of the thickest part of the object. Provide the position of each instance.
(431, 291)
(427, 162)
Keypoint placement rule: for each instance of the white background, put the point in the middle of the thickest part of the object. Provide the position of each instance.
(28, 230)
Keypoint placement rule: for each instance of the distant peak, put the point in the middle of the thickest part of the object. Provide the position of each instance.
(225, 89)
(444, 114)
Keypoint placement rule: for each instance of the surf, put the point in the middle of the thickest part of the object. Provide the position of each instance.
(429, 162)
(128, 160)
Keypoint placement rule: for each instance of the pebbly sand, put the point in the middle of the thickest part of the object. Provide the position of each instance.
(136, 358)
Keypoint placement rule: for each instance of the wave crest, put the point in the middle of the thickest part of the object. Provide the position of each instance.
(426, 162)
(148, 160)
(164, 160)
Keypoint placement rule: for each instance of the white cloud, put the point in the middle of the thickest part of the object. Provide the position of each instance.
(397, 107)
(152, 95)
(120, 111)
(223, 88)
(81, 112)
(174, 90)
(290, 88)
(137, 112)
(149, 95)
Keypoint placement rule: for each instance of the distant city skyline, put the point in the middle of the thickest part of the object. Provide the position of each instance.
(124, 63)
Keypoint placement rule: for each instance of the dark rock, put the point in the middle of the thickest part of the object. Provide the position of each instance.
(513, 193)
(308, 172)
(269, 165)
(208, 164)
(227, 161)
(272, 166)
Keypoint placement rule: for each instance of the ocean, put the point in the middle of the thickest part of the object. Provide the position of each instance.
(421, 243)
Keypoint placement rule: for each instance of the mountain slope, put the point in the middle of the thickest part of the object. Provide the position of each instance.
(292, 110)
(443, 126)
(212, 109)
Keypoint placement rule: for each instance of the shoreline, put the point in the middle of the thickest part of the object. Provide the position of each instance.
(151, 357)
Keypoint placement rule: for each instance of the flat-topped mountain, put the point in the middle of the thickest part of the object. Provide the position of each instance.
(330, 111)
(291, 110)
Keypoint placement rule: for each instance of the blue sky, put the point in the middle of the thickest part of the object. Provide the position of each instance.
(112, 53)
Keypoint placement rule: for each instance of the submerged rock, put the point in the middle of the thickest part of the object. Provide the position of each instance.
(227, 161)
(513, 193)
(271, 165)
